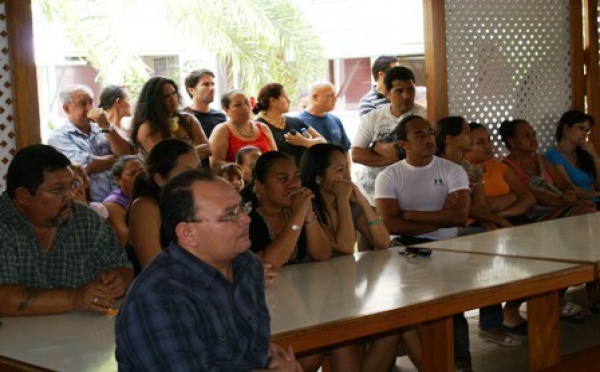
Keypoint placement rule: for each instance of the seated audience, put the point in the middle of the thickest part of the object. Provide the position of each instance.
(200, 305)
(574, 157)
(555, 196)
(157, 117)
(116, 104)
(56, 255)
(117, 202)
(239, 131)
(82, 191)
(232, 173)
(292, 135)
(377, 96)
(505, 194)
(453, 141)
(93, 145)
(423, 198)
(146, 237)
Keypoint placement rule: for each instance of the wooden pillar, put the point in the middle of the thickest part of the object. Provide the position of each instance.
(23, 72)
(435, 59)
(577, 78)
(590, 10)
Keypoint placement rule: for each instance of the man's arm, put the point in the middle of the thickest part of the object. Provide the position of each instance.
(18, 300)
(100, 164)
(454, 213)
(394, 220)
(384, 154)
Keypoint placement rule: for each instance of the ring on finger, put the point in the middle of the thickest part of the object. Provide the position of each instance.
(96, 300)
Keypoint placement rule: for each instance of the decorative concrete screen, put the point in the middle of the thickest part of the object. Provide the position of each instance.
(7, 120)
(509, 59)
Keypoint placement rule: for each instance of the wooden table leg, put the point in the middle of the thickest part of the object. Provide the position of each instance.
(544, 331)
(438, 345)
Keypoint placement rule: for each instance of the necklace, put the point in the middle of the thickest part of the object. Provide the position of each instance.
(239, 130)
(280, 126)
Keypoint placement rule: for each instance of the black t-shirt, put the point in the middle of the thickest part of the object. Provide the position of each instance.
(290, 123)
(208, 120)
(259, 236)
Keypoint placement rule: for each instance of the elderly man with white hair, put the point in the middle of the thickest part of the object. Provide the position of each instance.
(88, 139)
(317, 114)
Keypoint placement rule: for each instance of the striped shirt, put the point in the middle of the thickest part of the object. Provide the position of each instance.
(182, 314)
(370, 101)
(85, 245)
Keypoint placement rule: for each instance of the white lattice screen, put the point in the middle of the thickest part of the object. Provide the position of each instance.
(509, 59)
(7, 120)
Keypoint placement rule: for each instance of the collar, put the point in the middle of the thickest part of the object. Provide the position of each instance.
(203, 272)
(71, 128)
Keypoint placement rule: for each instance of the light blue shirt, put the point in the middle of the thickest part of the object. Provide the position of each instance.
(80, 148)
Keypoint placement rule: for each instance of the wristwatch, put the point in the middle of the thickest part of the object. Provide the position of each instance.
(109, 130)
(371, 146)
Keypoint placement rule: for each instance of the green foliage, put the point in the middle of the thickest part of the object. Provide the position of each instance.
(258, 41)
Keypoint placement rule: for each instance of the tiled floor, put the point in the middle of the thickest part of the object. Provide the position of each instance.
(488, 357)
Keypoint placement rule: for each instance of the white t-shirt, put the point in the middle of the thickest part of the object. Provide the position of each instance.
(374, 126)
(422, 189)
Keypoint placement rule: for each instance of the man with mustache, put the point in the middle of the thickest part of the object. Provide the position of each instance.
(55, 255)
(200, 304)
(423, 198)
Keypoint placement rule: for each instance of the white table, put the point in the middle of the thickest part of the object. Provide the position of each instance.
(78, 341)
(320, 304)
(574, 239)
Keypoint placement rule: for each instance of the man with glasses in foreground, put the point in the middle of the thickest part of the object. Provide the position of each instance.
(200, 304)
(55, 255)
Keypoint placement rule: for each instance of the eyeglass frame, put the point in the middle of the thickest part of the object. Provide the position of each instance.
(63, 191)
(243, 208)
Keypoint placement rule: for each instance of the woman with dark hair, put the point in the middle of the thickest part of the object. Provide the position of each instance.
(284, 227)
(292, 135)
(575, 157)
(157, 117)
(453, 140)
(117, 202)
(146, 238)
(115, 102)
(339, 204)
(239, 131)
(343, 209)
(556, 197)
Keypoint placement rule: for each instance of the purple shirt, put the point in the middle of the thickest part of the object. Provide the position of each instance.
(117, 197)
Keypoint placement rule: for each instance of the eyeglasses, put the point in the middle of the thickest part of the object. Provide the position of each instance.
(63, 191)
(241, 210)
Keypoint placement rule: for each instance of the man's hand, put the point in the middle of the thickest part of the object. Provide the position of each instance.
(99, 117)
(114, 281)
(282, 360)
(94, 296)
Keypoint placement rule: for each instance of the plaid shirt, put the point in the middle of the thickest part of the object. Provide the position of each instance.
(80, 148)
(84, 246)
(183, 315)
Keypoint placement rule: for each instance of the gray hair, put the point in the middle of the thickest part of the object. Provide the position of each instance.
(66, 95)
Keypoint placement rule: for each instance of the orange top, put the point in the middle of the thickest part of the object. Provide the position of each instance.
(495, 185)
